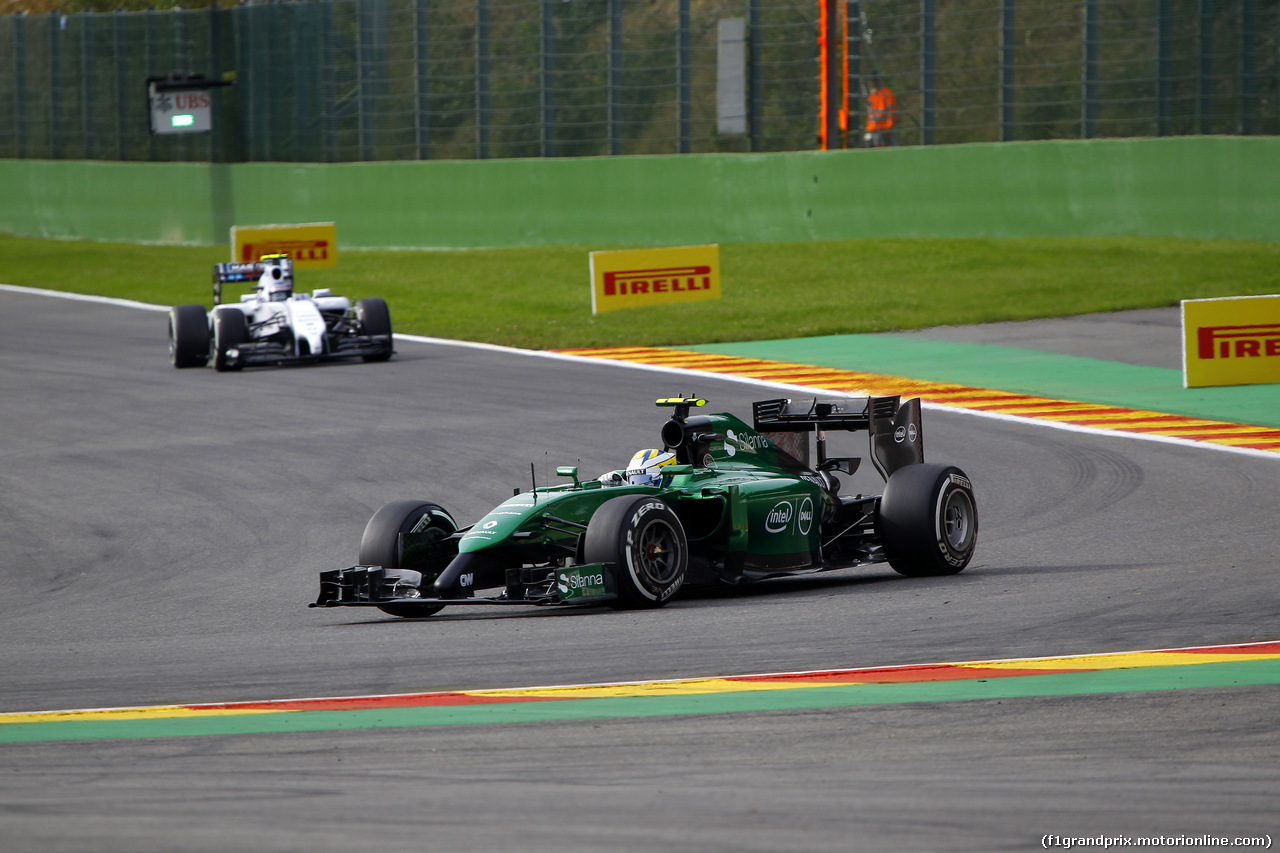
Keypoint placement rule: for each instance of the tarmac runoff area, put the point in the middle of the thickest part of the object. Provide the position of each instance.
(1117, 372)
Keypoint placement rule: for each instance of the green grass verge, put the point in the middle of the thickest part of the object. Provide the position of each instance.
(540, 297)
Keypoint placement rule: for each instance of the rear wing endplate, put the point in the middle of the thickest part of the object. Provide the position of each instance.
(233, 272)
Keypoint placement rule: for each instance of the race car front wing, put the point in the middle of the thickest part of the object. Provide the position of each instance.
(374, 586)
(258, 353)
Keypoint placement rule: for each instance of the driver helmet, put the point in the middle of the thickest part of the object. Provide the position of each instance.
(276, 283)
(645, 467)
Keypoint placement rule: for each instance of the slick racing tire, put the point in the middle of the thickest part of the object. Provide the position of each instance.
(382, 545)
(230, 330)
(928, 520)
(375, 321)
(645, 541)
(188, 336)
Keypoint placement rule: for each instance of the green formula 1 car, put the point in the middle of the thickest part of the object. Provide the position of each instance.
(720, 502)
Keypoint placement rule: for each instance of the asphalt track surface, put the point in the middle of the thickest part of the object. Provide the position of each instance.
(161, 531)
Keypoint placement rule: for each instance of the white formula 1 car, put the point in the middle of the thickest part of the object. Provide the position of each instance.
(273, 325)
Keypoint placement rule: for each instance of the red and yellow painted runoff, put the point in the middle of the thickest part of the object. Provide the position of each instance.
(1091, 415)
(1250, 664)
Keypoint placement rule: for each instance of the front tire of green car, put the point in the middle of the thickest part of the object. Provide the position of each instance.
(645, 541)
(382, 545)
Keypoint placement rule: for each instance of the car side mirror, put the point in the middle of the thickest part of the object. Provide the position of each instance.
(844, 464)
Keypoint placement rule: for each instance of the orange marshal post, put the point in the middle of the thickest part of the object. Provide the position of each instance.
(826, 67)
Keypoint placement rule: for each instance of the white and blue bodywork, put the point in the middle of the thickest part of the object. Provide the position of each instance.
(274, 325)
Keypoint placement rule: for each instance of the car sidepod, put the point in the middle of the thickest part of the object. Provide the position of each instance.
(782, 520)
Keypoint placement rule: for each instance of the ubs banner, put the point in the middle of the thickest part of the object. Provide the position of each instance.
(1231, 341)
(633, 278)
(311, 246)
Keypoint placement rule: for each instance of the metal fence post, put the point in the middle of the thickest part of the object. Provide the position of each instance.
(482, 79)
(328, 84)
(1205, 76)
(1248, 68)
(755, 76)
(547, 132)
(151, 38)
(1089, 113)
(362, 85)
(117, 20)
(615, 77)
(853, 71)
(55, 91)
(928, 58)
(831, 79)
(422, 105)
(20, 84)
(684, 83)
(1008, 91)
(1164, 81)
(86, 85)
(372, 57)
(247, 25)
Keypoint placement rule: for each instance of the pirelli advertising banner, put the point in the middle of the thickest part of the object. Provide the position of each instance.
(311, 246)
(1232, 341)
(633, 278)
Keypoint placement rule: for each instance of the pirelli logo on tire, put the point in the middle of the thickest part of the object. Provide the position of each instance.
(1231, 341)
(310, 246)
(635, 278)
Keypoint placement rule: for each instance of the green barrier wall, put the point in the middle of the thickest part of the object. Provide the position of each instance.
(1205, 187)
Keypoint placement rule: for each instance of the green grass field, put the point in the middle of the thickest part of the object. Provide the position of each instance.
(540, 298)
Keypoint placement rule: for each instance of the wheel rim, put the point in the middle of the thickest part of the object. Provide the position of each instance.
(659, 553)
(957, 521)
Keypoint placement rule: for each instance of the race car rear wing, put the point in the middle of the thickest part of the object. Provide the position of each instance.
(896, 434)
(233, 272)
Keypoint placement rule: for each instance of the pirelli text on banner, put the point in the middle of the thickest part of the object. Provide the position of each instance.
(313, 245)
(633, 278)
(1231, 341)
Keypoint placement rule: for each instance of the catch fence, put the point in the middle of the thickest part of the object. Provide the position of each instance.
(348, 80)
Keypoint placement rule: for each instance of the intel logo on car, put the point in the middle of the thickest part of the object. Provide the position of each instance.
(779, 517)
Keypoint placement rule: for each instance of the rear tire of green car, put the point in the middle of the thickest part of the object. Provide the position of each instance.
(928, 520)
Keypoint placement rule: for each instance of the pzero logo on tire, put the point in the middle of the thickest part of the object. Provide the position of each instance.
(779, 517)
(671, 590)
(954, 483)
(643, 508)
